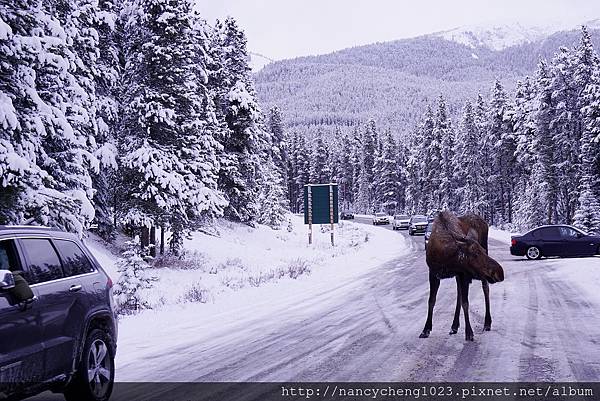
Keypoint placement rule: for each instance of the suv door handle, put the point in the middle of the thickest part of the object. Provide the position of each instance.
(75, 288)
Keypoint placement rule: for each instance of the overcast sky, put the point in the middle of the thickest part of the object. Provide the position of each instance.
(289, 28)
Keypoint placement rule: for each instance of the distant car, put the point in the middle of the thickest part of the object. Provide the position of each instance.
(555, 240)
(417, 224)
(347, 216)
(400, 221)
(380, 218)
(432, 215)
(428, 233)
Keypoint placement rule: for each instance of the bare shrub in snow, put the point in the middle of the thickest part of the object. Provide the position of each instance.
(235, 282)
(297, 267)
(190, 261)
(196, 293)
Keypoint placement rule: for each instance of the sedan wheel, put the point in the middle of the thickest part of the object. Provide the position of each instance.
(533, 252)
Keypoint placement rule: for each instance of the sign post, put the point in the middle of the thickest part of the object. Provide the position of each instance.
(320, 206)
(331, 212)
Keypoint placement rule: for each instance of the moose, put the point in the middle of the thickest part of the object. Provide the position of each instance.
(458, 248)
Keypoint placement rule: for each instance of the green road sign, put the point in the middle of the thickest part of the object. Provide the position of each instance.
(323, 203)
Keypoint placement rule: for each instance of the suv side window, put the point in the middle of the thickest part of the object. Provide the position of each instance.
(43, 262)
(74, 260)
(8, 256)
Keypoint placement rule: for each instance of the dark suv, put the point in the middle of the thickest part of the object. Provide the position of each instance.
(58, 329)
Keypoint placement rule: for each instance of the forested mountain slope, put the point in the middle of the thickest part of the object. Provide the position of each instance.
(391, 82)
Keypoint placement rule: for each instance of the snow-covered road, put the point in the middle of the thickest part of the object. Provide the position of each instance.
(544, 328)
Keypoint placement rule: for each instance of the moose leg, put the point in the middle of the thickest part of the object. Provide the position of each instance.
(487, 324)
(456, 321)
(434, 285)
(465, 281)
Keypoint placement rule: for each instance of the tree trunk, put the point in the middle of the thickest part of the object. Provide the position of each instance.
(153, 241)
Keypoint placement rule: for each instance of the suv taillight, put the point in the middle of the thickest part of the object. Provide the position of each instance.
(513, 242)
(109, 283)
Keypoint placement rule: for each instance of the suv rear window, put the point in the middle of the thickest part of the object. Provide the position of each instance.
(43, 262)
(74, 260)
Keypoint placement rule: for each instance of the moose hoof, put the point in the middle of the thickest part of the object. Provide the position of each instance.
(487, 328)
(424, 334)
(453, 331)
(469, 337)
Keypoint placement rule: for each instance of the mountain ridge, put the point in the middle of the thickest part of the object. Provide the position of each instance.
(393, 81)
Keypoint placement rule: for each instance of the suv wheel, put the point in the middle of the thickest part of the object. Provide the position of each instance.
(533, 252)
(95, 374)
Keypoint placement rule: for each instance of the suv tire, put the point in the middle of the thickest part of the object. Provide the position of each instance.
(98, 358)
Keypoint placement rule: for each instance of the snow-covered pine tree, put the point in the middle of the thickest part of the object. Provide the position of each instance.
(444, 131)
(45, 156)
(319, 168)
(292, 170)
(402, 183)
(378, 185)
(469, 170)
(433, 163)
(356, 155)
(500, 132)
(235, 99)
(272, 201)
(303, 173)
(346, 173)
(487, 156)
(388, 169)
(279, 147)
(169, 153)
(587, 215)
(364, 196)
(565, 123)
(134, 278)
(108, 112)
(544, 142)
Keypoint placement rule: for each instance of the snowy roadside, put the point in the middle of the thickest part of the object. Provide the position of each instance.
(226, 278)
(500, 235)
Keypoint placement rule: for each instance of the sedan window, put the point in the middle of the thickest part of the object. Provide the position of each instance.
(567, 232)
(548, 233)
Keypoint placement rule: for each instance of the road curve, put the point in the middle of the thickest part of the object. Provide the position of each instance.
(544, 329)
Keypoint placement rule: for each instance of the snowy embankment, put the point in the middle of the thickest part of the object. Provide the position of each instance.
(245, 274)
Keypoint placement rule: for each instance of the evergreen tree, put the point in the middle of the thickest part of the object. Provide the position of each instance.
(303, 171)
(500, 132)
(47, 117)
(109, 110)
(388, 175)
(469, 169)
(169, 153)
(134, 278)
(364, 197)
(445, 134)
(272, 200)
(346, 173)
(233, 93)
(587, 215)
(319, 168)
(279, 147)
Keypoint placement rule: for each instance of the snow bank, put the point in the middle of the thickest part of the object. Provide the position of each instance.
(241, 257)
(334, 272)
(500, 235)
